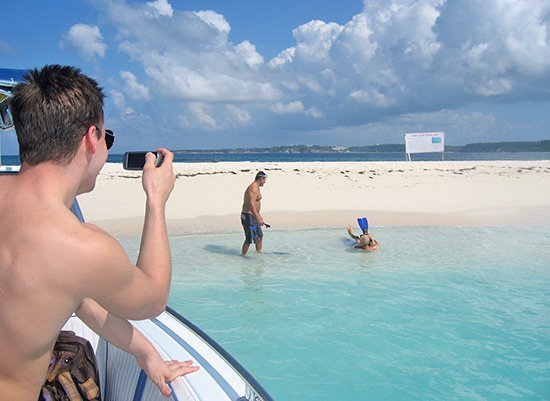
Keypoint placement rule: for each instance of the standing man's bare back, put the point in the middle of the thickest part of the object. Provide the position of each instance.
(52, 265)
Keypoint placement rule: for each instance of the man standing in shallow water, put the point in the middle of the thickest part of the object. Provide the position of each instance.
(251, 219)
(51, 264)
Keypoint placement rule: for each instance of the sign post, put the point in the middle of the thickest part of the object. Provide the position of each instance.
(424, 142)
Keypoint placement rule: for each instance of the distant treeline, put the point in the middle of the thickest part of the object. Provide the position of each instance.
(487, 147)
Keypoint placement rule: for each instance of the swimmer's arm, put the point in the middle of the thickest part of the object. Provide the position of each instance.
(125, 336)
(355, 237)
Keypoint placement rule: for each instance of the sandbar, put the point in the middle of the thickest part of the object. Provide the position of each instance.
(207, 197)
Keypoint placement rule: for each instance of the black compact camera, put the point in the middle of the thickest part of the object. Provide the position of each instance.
(136, 160)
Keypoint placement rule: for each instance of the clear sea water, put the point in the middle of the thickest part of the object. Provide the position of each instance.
(438, 313)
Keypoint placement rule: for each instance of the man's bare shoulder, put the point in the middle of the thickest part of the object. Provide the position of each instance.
(59, 224)
(253, 188)
(54, 239)
(99, 241)
(93, 246)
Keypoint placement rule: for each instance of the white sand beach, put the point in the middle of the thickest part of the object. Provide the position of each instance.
(208, 196)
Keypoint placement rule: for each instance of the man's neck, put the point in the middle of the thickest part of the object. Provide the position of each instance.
(52, 181)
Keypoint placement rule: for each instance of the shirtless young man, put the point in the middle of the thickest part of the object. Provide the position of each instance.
(51, 264)
(251, 219)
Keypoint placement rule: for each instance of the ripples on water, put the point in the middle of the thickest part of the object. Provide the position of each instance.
(435, 314)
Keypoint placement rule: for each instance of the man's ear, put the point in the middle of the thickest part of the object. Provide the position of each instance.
(91, 139)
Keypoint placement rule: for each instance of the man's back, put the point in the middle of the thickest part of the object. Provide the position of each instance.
(34, 280)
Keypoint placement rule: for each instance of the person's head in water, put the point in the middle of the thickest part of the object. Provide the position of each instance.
(364, 240)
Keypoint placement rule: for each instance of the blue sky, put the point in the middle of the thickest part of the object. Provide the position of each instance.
(190, 74)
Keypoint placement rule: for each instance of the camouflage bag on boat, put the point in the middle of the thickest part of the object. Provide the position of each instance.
(72, 374)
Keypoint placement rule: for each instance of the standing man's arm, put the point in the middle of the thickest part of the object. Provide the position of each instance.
(123, 335)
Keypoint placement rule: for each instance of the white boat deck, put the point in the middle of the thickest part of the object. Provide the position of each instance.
(220, 377)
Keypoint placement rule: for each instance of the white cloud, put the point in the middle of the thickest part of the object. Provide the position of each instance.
(395, 58)
(134, 89)
(87, 39)
(239, 115)
(313, 112)
(284, 57)
(315, 39)
(161, 8)
(202, 113)
(215, 20)
(287, 108)
(189, 57)
(356, 40)
(528, 34)
(495, 87)
(246, 51)
(119, 100)
(372, 97)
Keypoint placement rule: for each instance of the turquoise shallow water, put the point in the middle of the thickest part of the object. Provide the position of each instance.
(435, 314)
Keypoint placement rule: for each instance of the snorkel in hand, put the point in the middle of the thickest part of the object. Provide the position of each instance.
(363, 225)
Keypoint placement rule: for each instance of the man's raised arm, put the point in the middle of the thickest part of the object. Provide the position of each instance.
(154, 258)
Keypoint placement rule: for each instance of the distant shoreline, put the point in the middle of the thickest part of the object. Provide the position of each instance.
(342, 157)
(483, 147)
(535, 150)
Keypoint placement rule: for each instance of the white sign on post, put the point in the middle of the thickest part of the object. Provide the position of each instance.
(424, 142)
